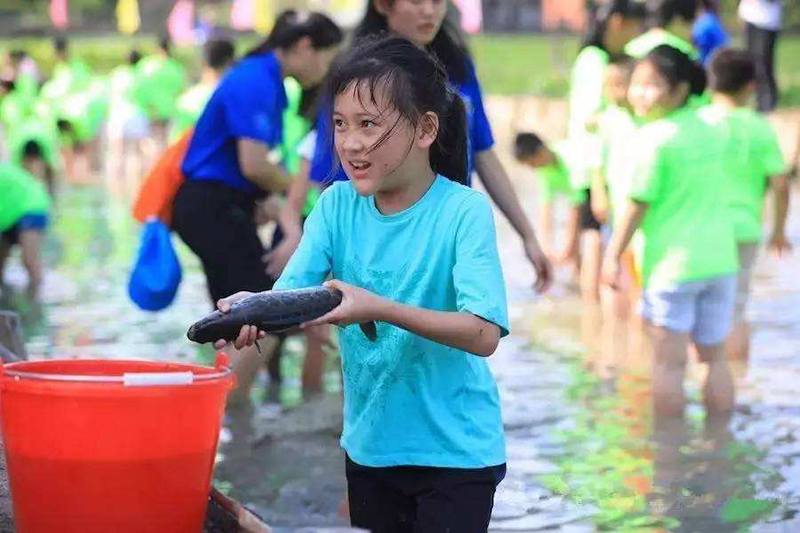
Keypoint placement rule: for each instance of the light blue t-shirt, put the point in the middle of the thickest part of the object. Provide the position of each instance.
(409, 400)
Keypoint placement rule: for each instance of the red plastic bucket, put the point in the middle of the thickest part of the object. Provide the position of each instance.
(122, 446)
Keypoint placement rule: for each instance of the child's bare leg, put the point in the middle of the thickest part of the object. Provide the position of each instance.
(591, 260)
(246, 364)
(718, 390)
(669, 367)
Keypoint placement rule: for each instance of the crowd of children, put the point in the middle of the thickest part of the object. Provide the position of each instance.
(675, 166)
(664, 170)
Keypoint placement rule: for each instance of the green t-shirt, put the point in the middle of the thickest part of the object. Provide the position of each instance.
(554, 180)
(687, 231)
(20, 194)
(67, 78)
(645, 43)
(40, 130)
(616, 128)
(585, 102)
(189, 107)
(160, 82)
(295, 126)
(752, 156)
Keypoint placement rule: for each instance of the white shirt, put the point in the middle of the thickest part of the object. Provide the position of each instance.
(765, 14)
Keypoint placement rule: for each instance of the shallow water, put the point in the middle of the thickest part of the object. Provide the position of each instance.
(584, 454)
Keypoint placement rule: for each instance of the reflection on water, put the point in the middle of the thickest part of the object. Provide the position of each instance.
(584, 451)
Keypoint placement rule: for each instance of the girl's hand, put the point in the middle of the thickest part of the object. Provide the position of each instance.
(541, 264)
(779, 245)
(612, 271)
(358, 306)
(248, 334)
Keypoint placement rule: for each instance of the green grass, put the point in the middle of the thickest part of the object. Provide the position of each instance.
(507, 64)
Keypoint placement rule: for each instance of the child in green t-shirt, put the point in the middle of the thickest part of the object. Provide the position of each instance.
(616, 128)
(552, 171)
(24, 207)
(754, 162)
(687, 253)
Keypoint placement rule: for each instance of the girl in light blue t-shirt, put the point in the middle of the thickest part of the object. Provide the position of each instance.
(413, 250)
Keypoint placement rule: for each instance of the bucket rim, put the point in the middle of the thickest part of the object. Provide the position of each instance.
(184, 375)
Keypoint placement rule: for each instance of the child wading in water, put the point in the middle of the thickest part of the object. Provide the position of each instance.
(415, 251)
(688, 254)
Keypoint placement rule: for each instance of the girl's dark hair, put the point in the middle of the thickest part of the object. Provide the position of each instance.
(292, 25)
(660, 13)
(414, 83)
(677, 68)
(448, 46)
(600, 14)
(219, 53)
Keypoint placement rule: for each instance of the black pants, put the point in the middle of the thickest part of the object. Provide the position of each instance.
(761, 44)
(413, 499)
(217, 223)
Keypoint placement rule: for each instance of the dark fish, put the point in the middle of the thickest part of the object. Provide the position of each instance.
(270, 311)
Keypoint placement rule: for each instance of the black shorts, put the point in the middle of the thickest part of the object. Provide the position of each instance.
(416, 499)
(587, 218)
(216, 222)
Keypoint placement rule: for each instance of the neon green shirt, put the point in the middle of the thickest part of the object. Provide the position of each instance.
(20, 194)
(160, 82)
(189, 107)
(687, 231)
(40, 130)
(645, 43)
(67, 78)
(554, 180)
(752, 156)
(585, 102)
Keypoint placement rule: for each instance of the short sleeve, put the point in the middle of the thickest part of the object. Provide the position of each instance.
(646, 182)
(477, 274)
(249, 113)
(311, 263)
(480, 134)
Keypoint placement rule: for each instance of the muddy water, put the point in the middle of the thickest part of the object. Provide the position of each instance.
(584, 452)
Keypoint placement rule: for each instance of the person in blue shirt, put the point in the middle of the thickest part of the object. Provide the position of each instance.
(424, 23)
(413, 250)
(708, 33)
(228, 165)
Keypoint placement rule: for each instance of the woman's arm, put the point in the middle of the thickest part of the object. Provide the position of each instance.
(463, 331)
(289, 220)
(499, 187)
(255, 165)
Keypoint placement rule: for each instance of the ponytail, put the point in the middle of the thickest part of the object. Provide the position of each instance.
(449, 154)
(677, 67)
(292, 25)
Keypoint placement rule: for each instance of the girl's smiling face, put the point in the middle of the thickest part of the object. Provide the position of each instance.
(651, 96)
(379, 149)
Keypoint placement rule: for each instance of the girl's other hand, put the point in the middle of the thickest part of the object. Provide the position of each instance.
(541, 264)
(779, 245)
(358, 306)
(248, 334)
(612, 271)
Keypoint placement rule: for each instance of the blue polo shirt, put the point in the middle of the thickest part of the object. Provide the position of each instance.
(325, 171)
(248, 103)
